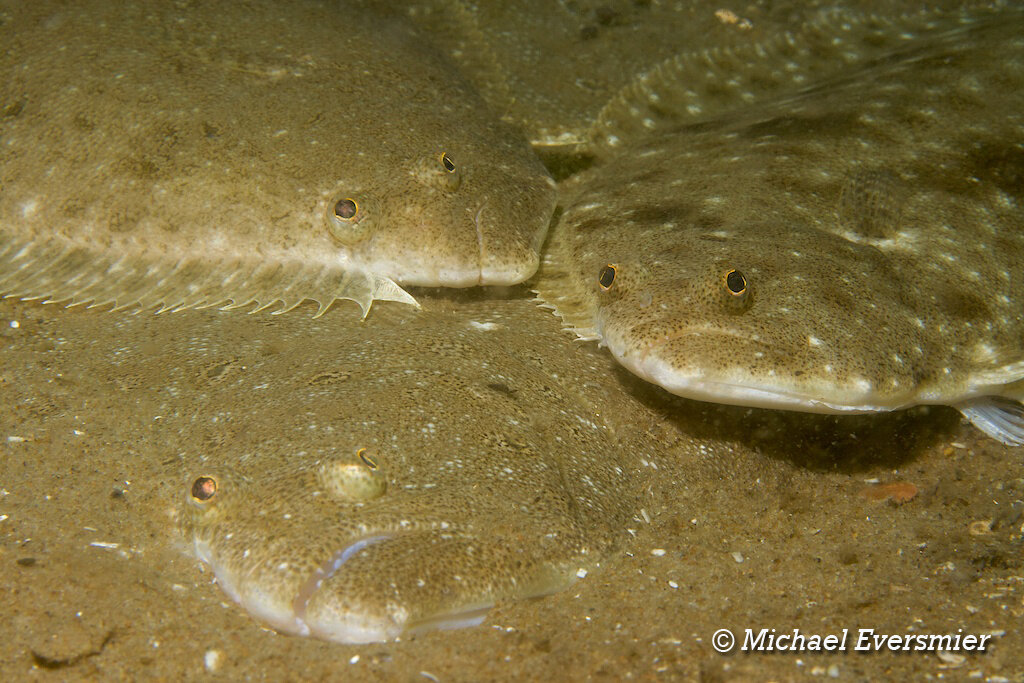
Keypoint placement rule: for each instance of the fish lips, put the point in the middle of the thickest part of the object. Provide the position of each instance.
(483, 250)
(672, 364)
(318, 603)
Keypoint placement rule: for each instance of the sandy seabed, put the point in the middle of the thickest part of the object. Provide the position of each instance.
(97, 582)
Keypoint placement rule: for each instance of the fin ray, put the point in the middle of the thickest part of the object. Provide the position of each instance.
(76, 275)
(559, 288)
(999, 417)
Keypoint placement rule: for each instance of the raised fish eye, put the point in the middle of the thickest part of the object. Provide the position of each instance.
(736, 283)
(606, 277)
(352, 480)
(350, 221)
(203, 489)
(447, 162)
(440, 172)
(367, 459)
(346, 209)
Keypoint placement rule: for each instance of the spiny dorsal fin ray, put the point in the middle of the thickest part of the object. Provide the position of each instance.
(76, 275)
(696, 86)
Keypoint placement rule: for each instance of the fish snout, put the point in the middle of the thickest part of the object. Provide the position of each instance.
(505, 256)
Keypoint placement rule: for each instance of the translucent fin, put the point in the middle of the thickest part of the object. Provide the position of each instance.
(557, 287)
(75, 275)
(696, 86)
(999, 417)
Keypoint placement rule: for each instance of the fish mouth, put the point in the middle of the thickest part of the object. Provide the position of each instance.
(733, 388)
(483, 258)
(313, 608)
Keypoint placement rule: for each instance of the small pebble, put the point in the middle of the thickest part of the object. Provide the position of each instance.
(211, 660)
(981, 527)
(582, 573)
(658, 552)
(951, 659)
(738, 556)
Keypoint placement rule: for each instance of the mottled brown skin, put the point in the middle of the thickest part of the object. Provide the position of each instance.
(512, 459)
(596, 74)
(760, 65)
(875, 219)
(224, 135)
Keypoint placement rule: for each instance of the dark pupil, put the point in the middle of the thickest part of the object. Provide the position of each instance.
(203, 488)
(735, 282)
(607, 276)
(447, 163)
(345, 209)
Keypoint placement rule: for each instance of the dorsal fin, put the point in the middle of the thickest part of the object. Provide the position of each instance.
(77, 275)
(697, 86)
(559, 288)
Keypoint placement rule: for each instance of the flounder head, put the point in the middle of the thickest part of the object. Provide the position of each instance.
(471, 212)
(775, 322)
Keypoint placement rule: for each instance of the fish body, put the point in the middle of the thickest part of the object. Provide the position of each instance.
(413, 474)
(706, 84)
(589, 77)
(855, 247)
(176, 155)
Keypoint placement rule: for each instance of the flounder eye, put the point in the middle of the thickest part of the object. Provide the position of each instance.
(452, 177)
(203, 489)
(606, 277)
(735, 283)
(352, 479)
(735, 294)
(367, 459)
(351, 221)
(440, 173)
(346, 209)
(447, 162)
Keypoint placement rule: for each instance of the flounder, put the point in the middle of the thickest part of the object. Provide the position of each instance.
(701, 85)
(182, 155)
(590, 76)
(413, 474)
(855, 248)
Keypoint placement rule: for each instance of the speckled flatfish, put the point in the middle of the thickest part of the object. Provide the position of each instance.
(704, 84)
(588, 76)
(411, 475)
(855, 248)
(190, 154)
(549, 67)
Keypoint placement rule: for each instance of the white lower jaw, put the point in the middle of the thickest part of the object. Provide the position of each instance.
(350, 628)
(732, 393)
